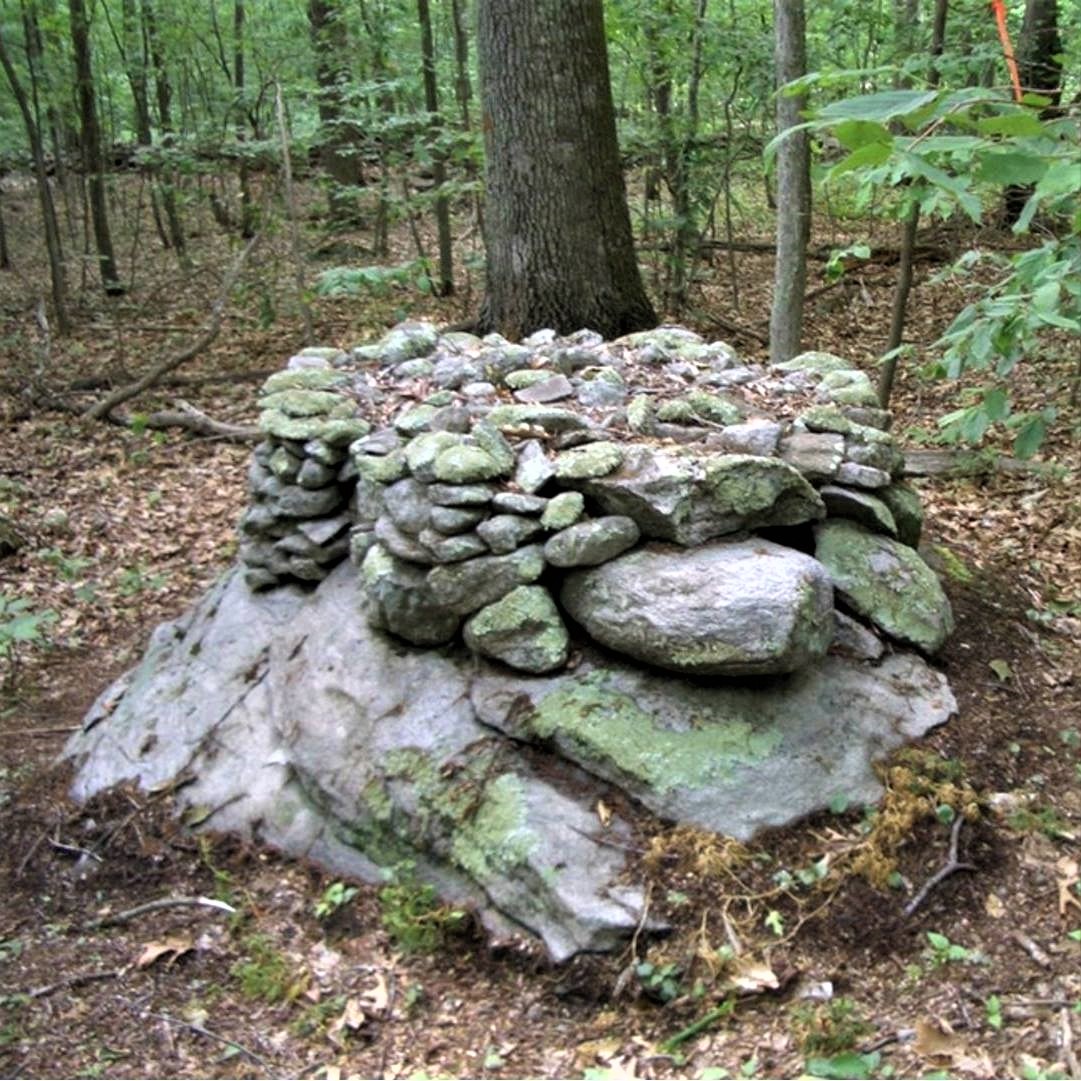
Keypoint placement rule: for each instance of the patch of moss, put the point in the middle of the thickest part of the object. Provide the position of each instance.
(953, 565)
(606, 726)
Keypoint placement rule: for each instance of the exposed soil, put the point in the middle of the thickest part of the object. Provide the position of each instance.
(794, 949)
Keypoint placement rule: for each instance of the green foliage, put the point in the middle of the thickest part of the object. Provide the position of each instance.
(831, 1027)
(944, 952)
(945, 152)
(412, 914)
(847, 1064)
(335, 897)
(20, 627)
(660, 982)
(266, 975)
(373, 280)
(992, 1009)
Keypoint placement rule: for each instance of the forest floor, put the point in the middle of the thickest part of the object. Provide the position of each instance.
(790, 959)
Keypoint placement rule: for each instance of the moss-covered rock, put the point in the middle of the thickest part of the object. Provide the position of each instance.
(466, 465)
(522, 629)
(590, 460)
(886, 582)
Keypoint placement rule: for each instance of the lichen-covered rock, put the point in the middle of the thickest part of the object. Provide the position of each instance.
(563, 510)
(300, 502)
(464, 587)
(407, 503)
(466, 465)
(422, 451)
(492, 441)
(817, 455)
(886, 582)
(700, 406)
(549, 417)
(335, 431)
(588, 543)
(505, 532)
(518, 503)
(306, 379)
(415, 420)
(692, 499)
(862, 476)
(461, 495)
(451, 520)
(862, 507)
(308, 403)
(729, 608)
(591, 460)
(452, 549)
(534, 468)
(407, 341)
(553, 389)
(817, 362)
(907, 511)
(849, 386)
(523, 630)
(759, 437)
(381, 469)
(401, 601)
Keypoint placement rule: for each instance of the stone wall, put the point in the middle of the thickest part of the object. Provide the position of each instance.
(682, 508)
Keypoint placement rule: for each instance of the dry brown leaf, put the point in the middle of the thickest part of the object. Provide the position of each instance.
(754, 976)
(604, 813)
(994, 907)
(1067, 880)
(167, 947)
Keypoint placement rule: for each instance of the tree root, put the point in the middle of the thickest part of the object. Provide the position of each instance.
(951, 865)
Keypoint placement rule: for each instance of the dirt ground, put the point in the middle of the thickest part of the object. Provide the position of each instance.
(792, 956)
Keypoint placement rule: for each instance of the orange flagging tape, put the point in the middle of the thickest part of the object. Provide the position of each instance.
(999, 8)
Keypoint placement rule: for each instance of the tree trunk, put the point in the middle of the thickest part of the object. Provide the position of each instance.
(1039, 64)
(163, 93)
(45, 195)
(91, 146)
(560, 250)
(5, 255)
(337, 145)
(793, 186)
(247, 205)
(445, 285)
(463, 90)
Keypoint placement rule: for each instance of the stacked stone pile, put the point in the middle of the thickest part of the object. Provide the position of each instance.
(684, 509)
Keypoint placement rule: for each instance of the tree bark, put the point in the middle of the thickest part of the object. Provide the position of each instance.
(444, 287)
(1039, 64)
(793, 186)
(338, 155)
(45, 195)
(559, 248)
(91, 146)
(247, 204)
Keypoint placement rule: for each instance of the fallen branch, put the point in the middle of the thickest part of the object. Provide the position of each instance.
(75, 981)
(186, 416)
(1031, 948)
(1072, 1065)
(40, 733)
(951, 865)
(201, 1030)
(965, 463)
(155, 906)
(103, 408)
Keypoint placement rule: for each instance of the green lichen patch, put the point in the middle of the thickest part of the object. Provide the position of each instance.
(466, 465)
(305, 379)
(381, 469)
(700, 406)
(335, 432)
(596, 725)
(591, 460)
(308, 403)
(813, 361)
(763, 491)
(886, 582)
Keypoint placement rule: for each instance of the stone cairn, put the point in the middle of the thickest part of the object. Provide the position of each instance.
(683, 508)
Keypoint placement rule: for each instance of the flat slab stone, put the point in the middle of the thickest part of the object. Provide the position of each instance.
(729, 608)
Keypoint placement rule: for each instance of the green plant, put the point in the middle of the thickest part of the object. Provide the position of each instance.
(314, 1019)
(848, 1064)
(138, 579)
(832, 1027)
(1045, 820)
(992, 1009)
(20, 626)
(335, 897)
(412, 913)
(10, 948)
(266, 975)
(944, 952)
(660, 982)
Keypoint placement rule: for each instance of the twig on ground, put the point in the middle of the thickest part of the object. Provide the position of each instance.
(75, 981)
(155, 906)
(101, 409)
(41, 733)
(1068, 1053)
(202, 1030)
(74, 850)
(1031, 948)
(951, 865)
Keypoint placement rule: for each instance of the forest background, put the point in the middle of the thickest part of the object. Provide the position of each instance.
(190, 194)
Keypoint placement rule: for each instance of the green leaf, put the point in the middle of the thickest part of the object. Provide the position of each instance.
(945, 813)
(1030, 437)
(1016, 124)
(1010, 167)
(938, 941)
(853, 134)
(867, 156)
(883, 106)
(848, 1064)
(1001, 669)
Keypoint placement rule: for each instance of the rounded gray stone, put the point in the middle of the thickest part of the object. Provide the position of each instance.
(589, 543)
(523, 630)
(730, 608)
